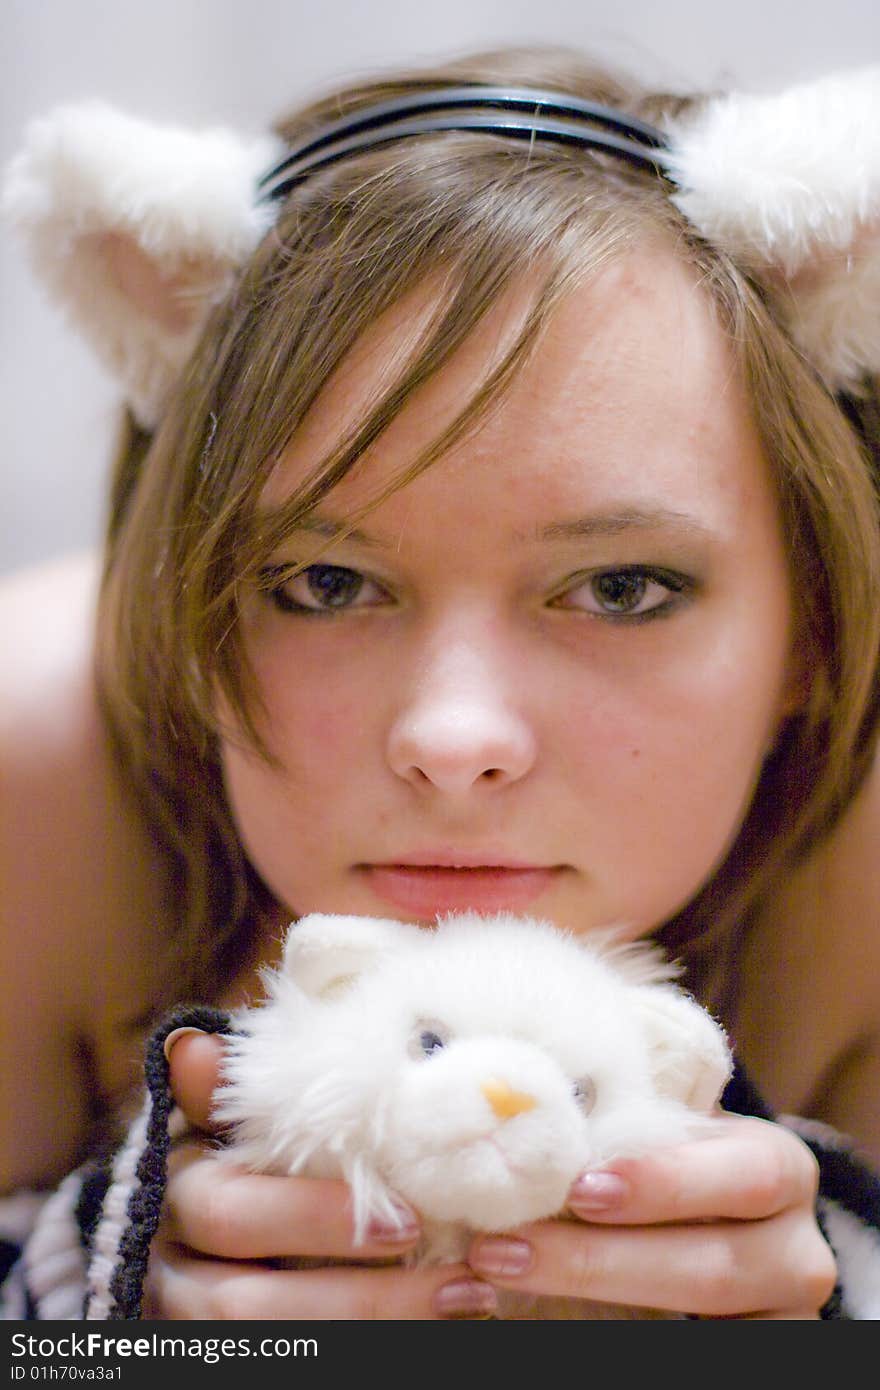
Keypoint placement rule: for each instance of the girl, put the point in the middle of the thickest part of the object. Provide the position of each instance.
(484, 535)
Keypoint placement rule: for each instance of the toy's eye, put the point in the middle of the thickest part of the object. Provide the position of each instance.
(428, 1038)
(585, 1093)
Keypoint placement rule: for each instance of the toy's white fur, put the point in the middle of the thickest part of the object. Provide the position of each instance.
(137, 229)
(330, 1077)
(90, 181)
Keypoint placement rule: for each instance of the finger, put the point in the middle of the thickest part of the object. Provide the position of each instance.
(194, 1066)
(181, 1287)
(797, 1315)
(219, 1209)
(723, 1269)
(743, 1169)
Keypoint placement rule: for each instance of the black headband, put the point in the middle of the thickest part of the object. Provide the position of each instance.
(520, 113)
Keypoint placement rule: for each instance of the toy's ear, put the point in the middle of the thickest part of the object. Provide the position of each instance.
(136, 230)
(691, 1059)
(323, 953)
(789, 184)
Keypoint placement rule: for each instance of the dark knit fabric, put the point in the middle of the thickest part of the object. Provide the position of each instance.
(145, 1203)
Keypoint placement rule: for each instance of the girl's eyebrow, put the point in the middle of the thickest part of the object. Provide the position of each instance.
(627, 519)
(611, 523)
(327, 528)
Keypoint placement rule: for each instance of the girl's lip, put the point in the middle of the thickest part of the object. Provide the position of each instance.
(452, 858)
(427, 890)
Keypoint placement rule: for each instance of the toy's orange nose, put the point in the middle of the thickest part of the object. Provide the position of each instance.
(504, 1100)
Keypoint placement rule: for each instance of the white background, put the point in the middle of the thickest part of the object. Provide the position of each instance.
(239, 62)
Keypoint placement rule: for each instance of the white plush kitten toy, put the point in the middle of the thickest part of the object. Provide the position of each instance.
(475, 1069)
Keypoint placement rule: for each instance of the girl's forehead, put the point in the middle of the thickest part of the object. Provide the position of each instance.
(633, 367)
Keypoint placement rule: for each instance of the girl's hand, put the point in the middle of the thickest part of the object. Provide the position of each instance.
(223, 1228)
(722, 1227)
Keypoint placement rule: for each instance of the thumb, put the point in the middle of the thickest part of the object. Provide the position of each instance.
(194, 1065)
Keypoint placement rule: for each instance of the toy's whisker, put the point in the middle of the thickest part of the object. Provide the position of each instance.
(371, 1199)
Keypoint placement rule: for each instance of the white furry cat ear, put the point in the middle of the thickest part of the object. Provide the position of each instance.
(136, 230)
(324, 952)
(789, 185)
(690, 1056)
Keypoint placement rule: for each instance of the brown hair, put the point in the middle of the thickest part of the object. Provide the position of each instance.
(475, 213)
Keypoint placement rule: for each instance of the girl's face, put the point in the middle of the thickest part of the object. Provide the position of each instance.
(542, 676)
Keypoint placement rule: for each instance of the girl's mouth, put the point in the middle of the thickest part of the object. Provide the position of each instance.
(428, 890)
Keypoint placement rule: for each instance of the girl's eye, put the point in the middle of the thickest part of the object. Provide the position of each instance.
(321, 589)
(627, 592)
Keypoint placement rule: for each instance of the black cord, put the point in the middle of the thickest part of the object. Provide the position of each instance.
(145, 1203)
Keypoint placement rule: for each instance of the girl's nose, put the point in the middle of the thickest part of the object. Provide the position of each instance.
(461, 728)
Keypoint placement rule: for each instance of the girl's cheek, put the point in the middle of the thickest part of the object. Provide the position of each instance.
(315, 721)
(307, 687)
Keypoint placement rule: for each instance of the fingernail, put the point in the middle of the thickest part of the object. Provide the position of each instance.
(389, 1232)
(174, 1038)
(500, 1256)
(466, 1298)
(595, 1192)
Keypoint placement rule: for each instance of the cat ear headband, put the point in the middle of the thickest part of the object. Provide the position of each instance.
(137, 230)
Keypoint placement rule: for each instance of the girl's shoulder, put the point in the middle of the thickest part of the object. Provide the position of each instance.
(811, 1014)
(79, 903)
